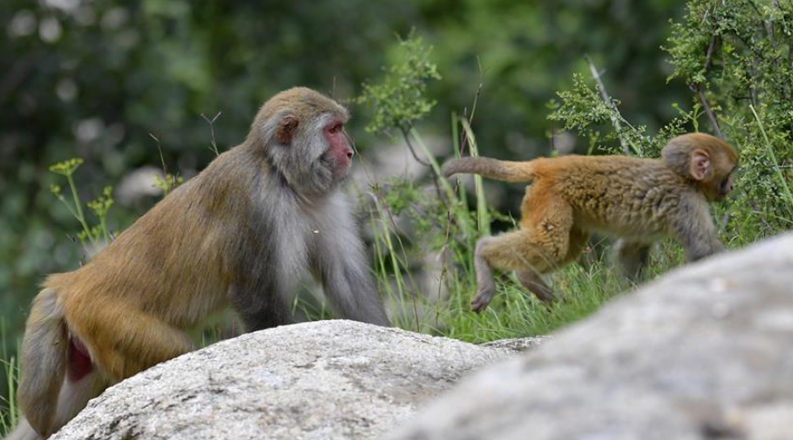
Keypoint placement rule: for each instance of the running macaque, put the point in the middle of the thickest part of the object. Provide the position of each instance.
(244, 231)
(636, 200)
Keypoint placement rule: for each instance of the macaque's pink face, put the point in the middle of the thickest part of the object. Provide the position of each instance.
(340, 150)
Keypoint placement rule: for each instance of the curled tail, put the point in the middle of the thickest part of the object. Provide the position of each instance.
(506, 171)
(44, 361)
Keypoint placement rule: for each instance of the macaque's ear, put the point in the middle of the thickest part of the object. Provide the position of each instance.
(699, 165)
(286, 129)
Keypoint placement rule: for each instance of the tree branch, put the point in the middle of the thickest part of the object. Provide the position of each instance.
(406, 136)
(607, 99)
(697, 88)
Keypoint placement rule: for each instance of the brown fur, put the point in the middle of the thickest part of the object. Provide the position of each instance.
(638, 200)
(241, 232)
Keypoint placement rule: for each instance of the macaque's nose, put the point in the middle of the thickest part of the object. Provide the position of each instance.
(350, 154)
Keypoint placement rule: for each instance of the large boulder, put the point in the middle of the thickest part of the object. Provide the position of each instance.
(704, 353)
(320, 380)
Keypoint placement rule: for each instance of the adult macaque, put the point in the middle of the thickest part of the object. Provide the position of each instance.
(244, 231)
(638, 200)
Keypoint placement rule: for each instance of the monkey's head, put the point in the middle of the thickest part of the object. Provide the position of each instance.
(704, 159)
(301, 132)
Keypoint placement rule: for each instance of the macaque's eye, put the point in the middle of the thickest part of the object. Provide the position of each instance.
(335, 128)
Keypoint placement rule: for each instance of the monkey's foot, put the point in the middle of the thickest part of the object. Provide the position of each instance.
(481, 300)
(544, 294)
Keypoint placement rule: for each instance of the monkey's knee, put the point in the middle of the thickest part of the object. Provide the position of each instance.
(508, 252)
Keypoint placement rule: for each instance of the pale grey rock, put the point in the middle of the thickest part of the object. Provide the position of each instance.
(518, 344)
(320, 380)
(704, 353)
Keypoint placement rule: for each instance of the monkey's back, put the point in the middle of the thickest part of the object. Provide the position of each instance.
(179, 246)
(614, 195)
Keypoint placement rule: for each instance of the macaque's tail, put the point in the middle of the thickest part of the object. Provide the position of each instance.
(44, 360)
(506, 171)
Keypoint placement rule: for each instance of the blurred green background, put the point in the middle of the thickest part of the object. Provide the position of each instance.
(95, 79)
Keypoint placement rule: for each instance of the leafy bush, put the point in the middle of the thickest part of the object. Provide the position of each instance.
(737, 57)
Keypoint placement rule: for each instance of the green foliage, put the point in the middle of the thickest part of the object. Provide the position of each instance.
(66, 168)
(167, 183)
(584, 111)
(90, 237)
(100, 207)
(400, 98)
(581, 108)
(736, 56)
(9, 412)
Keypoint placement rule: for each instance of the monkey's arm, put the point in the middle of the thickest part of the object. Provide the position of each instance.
(261, 302)
(693, 227)
(339, 262)
(632, 256)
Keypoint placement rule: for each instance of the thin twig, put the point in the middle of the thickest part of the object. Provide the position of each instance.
(711, 48)
(697, 88)
(211, 123)
(463, 138)
(406, 136)
(162, 158)
(752, 74)
(607, 99)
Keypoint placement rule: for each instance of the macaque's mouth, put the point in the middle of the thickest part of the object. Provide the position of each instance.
(342, 170)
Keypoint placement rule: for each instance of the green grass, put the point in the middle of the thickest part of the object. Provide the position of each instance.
(9, 413)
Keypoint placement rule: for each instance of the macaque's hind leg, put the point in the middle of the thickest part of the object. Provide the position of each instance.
(23, 431)
(74, 396)
(128, 341)
(530, 254)
(518, 251)
(534, 283)
(546, 241)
